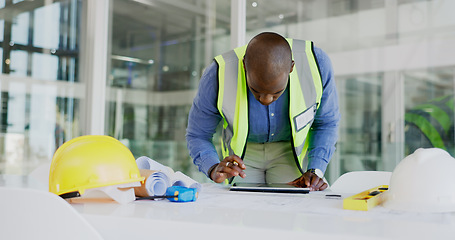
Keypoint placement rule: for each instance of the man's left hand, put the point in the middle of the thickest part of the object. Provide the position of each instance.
(311, 181)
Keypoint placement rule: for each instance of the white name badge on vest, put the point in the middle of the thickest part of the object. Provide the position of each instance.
(305, 117)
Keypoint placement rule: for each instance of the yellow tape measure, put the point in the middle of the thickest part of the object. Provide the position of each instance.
(365, 200)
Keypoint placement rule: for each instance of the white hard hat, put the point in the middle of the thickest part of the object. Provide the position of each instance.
(423, 182)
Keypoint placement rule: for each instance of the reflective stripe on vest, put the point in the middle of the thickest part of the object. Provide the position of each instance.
(303, 101)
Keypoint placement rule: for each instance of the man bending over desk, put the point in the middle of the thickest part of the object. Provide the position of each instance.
(277, 101)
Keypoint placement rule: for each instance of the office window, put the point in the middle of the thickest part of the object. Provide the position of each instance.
(18, 63)
(47, 20)
(429, 114)
(359, 144)
(44, 66)
(19, 29)
(389, 58)
(1, 29)
(159, 51)
(40, 93)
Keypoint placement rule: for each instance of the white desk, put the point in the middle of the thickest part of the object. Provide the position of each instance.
(220, 214)
(236, 214)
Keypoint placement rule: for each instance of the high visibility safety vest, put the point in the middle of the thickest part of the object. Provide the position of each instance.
(305, 91)
(435, 120)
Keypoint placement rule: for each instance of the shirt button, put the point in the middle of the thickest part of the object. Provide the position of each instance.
(273, 114)
(273, 134)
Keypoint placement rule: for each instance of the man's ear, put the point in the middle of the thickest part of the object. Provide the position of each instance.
(292, 66)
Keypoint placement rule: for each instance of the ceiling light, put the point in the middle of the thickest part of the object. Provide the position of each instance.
(131, 59)
(146, 2)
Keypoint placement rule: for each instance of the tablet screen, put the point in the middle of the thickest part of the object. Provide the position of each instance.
(268, 187)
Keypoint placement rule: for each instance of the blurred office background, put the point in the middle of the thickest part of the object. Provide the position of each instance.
(130, 69)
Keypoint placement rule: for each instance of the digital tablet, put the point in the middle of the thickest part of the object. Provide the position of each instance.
(268, 187)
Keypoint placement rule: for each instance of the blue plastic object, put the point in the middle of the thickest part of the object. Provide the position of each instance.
(182, 194)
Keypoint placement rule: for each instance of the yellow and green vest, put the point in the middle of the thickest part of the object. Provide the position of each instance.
(305, 91)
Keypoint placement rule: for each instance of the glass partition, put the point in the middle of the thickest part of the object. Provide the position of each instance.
(392, 63)
(359, 144)
(159, 51)
(429, 115)
(40, 91)
(390, 58)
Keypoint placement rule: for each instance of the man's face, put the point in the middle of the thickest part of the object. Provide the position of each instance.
(266, 91)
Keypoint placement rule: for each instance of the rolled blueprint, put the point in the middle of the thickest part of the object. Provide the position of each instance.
(162, 174)
(150, 164)
(183, 180)
(155, 183)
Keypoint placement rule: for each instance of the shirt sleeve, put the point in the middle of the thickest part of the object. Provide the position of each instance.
(203, 120)
(324, 130)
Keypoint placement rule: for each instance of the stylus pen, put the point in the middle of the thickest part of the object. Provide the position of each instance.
(332, 196)
(154, 197)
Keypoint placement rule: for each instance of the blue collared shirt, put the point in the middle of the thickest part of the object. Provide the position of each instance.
(267, 123)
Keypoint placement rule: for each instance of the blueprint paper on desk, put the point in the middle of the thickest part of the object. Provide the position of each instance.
(160, 177)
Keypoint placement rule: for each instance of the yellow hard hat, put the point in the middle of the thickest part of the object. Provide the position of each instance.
(91, 161)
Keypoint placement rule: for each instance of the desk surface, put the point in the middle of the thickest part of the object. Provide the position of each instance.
(233, 215)
(267, 214)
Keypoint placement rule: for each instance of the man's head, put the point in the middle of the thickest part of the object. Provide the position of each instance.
(267, 62)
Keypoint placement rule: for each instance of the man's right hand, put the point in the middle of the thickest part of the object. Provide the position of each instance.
(231, 166)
